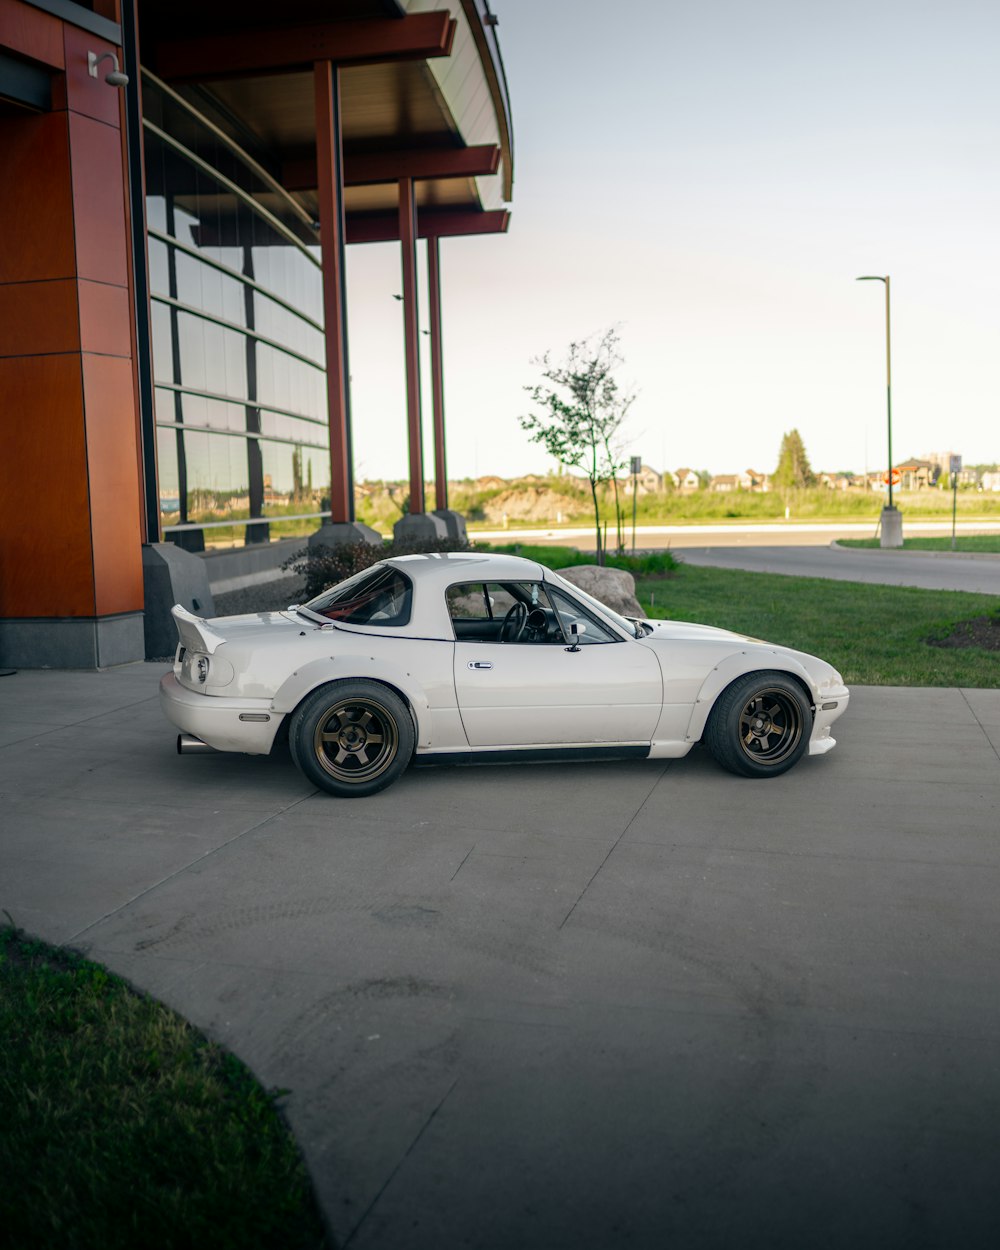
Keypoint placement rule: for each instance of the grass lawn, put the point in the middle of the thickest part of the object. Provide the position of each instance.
(875, 635)
(649, 563)
(987, 543)
(123, 1127)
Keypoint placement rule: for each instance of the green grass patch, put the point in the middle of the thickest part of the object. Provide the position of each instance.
(875, 635)
(124, 1127)
(642, 564)
(988, 544)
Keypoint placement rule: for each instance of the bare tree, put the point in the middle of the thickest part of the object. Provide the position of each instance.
(582, 409)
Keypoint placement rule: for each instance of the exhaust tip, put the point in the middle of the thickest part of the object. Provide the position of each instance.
(188, 744)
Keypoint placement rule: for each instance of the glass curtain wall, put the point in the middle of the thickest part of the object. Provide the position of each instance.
(237, 329)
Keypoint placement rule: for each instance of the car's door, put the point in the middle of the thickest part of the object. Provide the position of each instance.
(518, 688)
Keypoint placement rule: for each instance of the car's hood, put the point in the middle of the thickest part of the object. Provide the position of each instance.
(672, 631)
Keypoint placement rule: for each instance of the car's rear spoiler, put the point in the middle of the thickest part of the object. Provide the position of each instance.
(195, 632)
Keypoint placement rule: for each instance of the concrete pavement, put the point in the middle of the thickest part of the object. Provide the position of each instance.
(637, 1004)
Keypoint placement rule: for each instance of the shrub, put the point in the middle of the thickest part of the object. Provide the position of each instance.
(325, 566)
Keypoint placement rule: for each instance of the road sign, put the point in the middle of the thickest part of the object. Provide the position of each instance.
(636, 464)
(956, 464)
(897, 477)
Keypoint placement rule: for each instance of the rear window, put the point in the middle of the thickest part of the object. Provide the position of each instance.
(380, 595)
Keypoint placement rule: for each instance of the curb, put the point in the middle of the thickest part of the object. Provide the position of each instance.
(933, 555)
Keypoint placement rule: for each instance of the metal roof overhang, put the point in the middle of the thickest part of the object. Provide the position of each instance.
(423, 95)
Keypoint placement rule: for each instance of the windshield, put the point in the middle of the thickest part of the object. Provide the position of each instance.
(622, 622)
(381, 595)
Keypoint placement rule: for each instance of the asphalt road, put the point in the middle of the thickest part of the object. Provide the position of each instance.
(637, 1005)
(931, 571)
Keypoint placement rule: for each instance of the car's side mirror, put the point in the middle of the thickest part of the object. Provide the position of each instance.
(576, 629)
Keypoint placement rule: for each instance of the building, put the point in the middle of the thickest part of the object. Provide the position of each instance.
(750, 479)
(647, 481)
(180, 183)
(917, 474)
(687, 480)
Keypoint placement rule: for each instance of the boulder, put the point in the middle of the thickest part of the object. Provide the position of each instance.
(614, 587)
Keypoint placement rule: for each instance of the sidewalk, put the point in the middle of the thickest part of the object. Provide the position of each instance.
(639, 1004)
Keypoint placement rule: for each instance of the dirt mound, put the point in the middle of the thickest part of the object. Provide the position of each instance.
(981, 631)
(532, 503)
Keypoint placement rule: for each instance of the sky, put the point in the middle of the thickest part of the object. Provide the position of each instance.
(710, 177)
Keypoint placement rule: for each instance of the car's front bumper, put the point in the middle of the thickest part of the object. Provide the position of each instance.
(218, 721)
(831, 705)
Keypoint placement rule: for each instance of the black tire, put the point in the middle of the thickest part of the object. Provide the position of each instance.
(760, 725)
(352, 738)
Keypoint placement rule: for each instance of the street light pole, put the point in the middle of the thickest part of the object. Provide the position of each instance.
(888, 399)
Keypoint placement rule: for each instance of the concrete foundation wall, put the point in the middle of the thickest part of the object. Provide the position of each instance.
(72, 642)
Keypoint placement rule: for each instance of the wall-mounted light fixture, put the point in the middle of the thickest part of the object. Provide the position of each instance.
(114, 77)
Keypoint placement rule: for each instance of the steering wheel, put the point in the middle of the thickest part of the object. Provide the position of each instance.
(514, 622)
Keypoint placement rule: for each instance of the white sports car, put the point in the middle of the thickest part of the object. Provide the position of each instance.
(470, 656)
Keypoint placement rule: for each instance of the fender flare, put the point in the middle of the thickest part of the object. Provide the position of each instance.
(362, 667)
(737, 665)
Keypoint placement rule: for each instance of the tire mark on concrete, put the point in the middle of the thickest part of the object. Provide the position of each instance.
(184, 868)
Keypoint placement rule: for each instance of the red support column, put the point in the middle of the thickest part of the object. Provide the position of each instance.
(437, 372)
(329, 168)
(408, 246)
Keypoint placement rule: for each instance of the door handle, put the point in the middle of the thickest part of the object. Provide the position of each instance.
(480, 664)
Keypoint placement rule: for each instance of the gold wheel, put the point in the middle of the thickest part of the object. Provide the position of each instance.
(356, 740)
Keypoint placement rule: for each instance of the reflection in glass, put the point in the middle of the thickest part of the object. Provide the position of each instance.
(233, 293)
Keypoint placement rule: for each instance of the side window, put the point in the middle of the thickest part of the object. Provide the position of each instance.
(589, 629)
(380, 595)
(503, 597)
(515, 613)
(468, 602)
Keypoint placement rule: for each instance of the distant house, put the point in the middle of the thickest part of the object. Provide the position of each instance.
(917, 474)
(750, 479)
(834, 481)
(990, 481)
(724, 482)
(687, 480)
(647, 481)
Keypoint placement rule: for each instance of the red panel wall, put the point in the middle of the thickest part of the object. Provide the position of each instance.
(46, 558)
(70, 542)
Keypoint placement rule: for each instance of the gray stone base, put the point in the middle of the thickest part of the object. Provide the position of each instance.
(72, 642)
(454, 522)
(419, 526)
(171, 576)
(891, 533)
(337, 533)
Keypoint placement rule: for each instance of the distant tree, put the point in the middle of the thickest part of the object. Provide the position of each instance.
(793, 463)
(582, 409)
